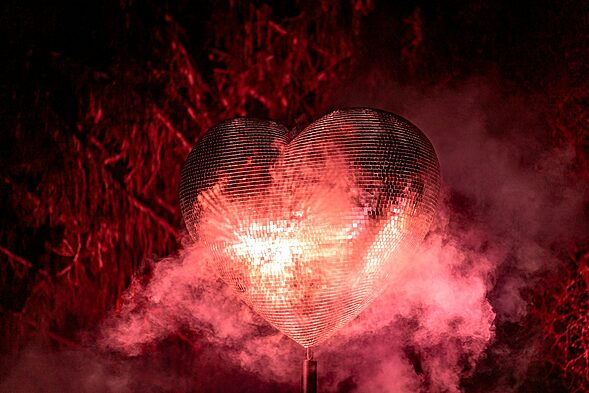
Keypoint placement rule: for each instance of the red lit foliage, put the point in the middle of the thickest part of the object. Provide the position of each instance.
(90, 184)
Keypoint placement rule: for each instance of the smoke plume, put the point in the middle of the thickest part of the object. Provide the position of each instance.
(503, 195)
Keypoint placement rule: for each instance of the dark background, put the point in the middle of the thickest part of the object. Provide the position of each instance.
(100, 102)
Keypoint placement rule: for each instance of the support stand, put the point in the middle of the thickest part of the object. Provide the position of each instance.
(309, 380)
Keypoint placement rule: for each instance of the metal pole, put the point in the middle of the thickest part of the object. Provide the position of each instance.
(309, 380)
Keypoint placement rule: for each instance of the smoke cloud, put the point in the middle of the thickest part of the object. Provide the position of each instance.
(504, 194)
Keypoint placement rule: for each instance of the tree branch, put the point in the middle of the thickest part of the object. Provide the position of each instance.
(15, 257)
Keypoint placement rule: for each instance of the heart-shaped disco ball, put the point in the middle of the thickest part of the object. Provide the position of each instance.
(309, 228)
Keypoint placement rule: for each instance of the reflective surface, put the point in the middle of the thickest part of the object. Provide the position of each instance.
(308, 231)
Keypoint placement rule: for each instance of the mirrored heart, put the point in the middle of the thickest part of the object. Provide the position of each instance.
(308, 228)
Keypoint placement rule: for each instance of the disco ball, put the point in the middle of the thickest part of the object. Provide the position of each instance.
(308, 228)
